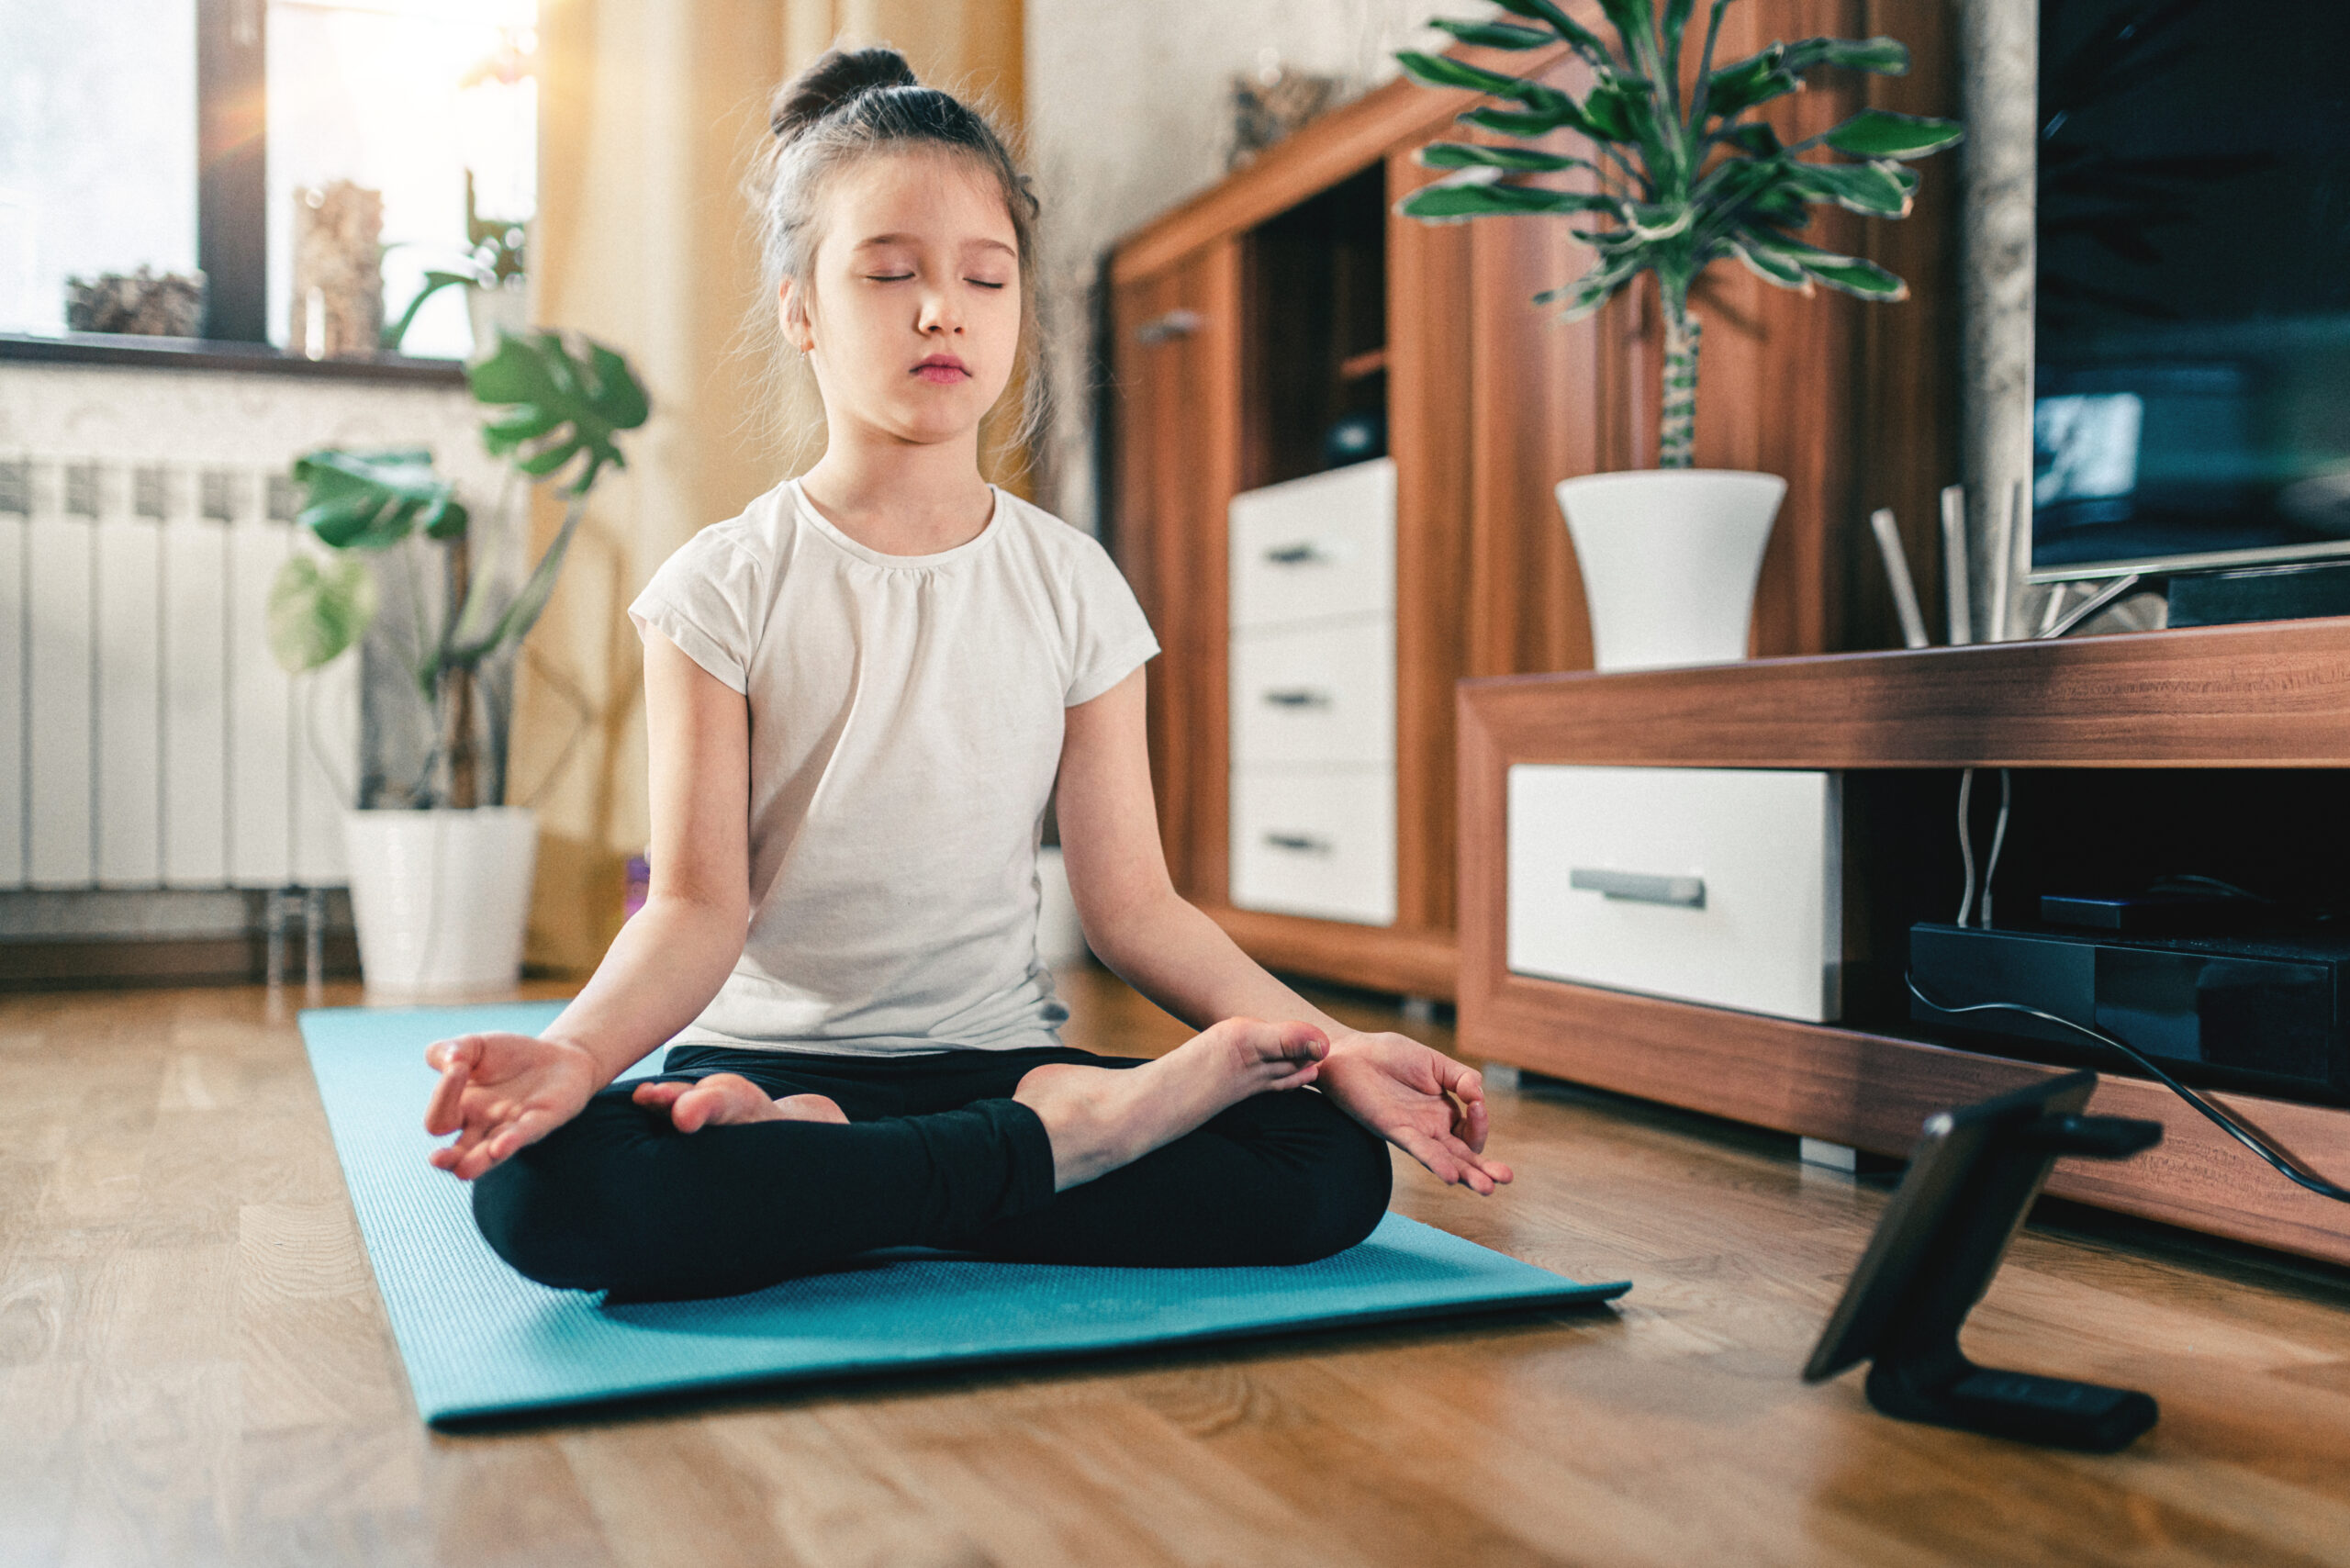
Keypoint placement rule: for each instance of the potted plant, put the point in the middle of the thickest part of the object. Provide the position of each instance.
(441, 873)
(492, 277)
(1678, 175)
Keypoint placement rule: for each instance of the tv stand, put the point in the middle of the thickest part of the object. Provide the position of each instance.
(2116, 733)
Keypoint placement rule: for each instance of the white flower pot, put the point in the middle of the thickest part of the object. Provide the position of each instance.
(440, 899)
(1670, 558)
(489, 309)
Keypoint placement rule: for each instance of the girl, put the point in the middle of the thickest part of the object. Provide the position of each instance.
(859, 695)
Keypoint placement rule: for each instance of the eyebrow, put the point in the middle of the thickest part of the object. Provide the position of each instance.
(916, 239)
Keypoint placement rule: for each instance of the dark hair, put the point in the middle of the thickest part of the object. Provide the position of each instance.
(853, 103)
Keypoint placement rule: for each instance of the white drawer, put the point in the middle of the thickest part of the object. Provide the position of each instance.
(1713, 885)
(1315, 548)
(1316, 841)
(1317, 694)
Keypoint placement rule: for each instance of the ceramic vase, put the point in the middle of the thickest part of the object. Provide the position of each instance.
(1670, 558)
(440, 899)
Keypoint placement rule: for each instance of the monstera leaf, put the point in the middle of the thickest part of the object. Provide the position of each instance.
(558, 405)
(368, 501)
(319, 607)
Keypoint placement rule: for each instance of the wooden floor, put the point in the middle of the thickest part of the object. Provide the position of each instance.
(195, 1369)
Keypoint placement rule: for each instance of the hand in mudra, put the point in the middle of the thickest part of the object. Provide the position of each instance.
(1423, 1102)
(500, 1092)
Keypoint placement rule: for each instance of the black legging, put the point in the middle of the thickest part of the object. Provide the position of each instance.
(935, 1154)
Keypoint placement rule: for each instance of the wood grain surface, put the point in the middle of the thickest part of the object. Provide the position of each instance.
(2267, 696)
(195, 1370)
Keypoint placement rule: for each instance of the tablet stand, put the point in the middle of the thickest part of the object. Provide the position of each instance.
(1919, 1373)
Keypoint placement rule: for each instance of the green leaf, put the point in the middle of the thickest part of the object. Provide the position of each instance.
(318, 608)
(1770, 267)
(569, 406)
(1634, 22)
(1465, 154)
(1616, 113)
(1447, 203)
(1852, 274)
(1872, 188)
(1443, 70)
(1658, 220)
(1880, 133)
(1585, 41)
(1596, 286)
(1755, 139)
(1493, 35)
(369, 501)
(1676, 21)
(1885, 57)
(1532, 123)
(1757, 79)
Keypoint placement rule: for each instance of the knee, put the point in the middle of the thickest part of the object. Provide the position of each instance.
(543, 1228)
(550, 1211)
(1360, 1178)
(1342, 1192)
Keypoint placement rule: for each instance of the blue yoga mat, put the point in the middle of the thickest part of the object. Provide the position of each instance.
(480, 1340)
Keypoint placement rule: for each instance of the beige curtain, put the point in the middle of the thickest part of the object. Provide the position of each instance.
(651, 113)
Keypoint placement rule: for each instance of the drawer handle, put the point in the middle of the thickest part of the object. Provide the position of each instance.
(1306, 553)
(1301, 842)
(1298, 697)
(1639, 887)
(1174, 324)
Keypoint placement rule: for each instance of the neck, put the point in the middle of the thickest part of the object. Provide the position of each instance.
(898, 497)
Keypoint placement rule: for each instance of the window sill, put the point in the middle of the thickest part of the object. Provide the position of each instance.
(199, 354)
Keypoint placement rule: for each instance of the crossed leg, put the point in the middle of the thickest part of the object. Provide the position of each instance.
(1040, 1155)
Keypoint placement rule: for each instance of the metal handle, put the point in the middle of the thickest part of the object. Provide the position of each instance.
(1304, 553)
(1298, 697)
(1639, 887)
(1174, 324)
(1300, 842)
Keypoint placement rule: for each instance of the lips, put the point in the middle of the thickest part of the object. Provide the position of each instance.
(941, 369)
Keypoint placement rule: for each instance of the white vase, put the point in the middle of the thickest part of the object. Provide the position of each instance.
(1670, 558)
(487, 310)
(440, 899)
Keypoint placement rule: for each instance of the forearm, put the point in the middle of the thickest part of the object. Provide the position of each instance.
(658, 976)
(1167, 950)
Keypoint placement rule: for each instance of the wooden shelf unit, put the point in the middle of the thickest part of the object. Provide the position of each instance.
(1489, 402)
(2250, 702)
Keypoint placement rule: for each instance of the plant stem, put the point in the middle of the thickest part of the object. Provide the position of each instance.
(457, 693)
(1676, 433)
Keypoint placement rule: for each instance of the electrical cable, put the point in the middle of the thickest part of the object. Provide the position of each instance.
(1998, 839)
(2286, 1164)
(1966, 843)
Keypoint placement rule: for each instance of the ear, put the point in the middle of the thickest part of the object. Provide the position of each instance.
(792, 312)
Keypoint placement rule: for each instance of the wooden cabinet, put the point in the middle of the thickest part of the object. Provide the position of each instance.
(1247, 321)
(2223, 749)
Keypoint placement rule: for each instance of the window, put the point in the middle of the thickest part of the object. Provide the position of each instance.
(99, 162)
(97, 148)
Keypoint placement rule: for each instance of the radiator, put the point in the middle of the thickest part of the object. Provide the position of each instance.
(147, 737)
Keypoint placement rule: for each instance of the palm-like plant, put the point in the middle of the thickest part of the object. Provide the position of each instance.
(553, 410)
(1680, 178)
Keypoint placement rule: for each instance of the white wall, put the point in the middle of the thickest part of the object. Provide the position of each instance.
(1129, 113)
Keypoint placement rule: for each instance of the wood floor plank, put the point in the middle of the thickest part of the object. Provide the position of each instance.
(194, 1368)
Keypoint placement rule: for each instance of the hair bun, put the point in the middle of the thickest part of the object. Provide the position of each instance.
(835, 78)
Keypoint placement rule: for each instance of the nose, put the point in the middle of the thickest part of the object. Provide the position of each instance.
(940, 313)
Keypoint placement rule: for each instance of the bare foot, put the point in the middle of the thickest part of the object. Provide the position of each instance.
(725, 1098)
(1101, 1117)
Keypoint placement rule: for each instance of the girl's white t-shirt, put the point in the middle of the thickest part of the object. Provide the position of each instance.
(906, 715)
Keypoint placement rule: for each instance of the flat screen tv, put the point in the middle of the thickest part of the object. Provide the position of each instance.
(2192, 377)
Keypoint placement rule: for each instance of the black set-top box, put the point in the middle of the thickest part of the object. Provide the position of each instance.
(2260, 1012)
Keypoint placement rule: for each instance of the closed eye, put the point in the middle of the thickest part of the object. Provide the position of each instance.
(983, 283)
(888, 278)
